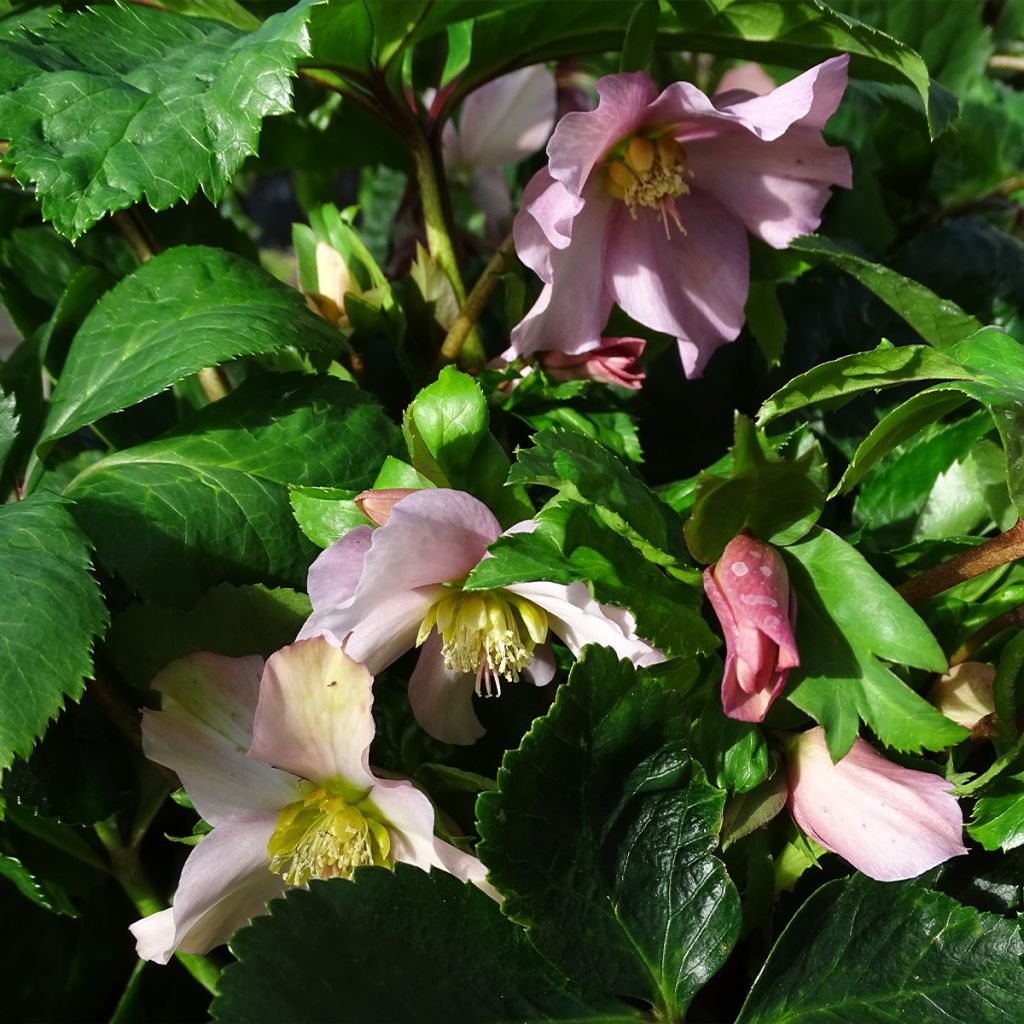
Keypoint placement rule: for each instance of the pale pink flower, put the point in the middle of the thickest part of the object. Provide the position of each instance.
(501, 123)
(647, 199)
(964, 693)
(749, 590)
(280, 770)
(382, 591)
(612, 362)
(887, 821)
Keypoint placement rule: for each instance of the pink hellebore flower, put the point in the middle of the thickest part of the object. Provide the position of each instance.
(749, 590)
(302, 803)
(613, 362)
(381, 591)
(503, 122)
(887, 821)
(646, 202)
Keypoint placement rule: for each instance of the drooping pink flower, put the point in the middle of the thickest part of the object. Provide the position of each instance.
(887, 821)
(381, 591)
(501, 123)
(964, 693)
(281, 771)
(612, 362)
(647, 199)
(749, 590)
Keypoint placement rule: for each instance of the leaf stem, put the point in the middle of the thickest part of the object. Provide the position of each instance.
(435, 213)
(1005, 548)
(127, 869)
(474, 305)
(998, 765)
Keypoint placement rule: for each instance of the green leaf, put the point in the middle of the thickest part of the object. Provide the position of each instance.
(380, 949)
(208, 502)
(51, 610)
(31, 888)
(228, 620)
(939, 321)
(848, 618)
(777, 499)
(223, 10)
(999, 815)
(174, 107)
(1008, 689)
(325, 514)
(600, 837)
(188, 308)
(8, 426)
(862, 951)
(641, 32)
(579, 468)
(836, 382)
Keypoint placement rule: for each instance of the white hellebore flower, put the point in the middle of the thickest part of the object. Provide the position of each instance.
(280, 769)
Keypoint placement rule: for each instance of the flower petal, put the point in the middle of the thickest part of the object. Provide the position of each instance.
(581, 140)
(541, 669)
(889, 822)
(693, 286)
(226, 881)
(489, 190)
(579, 620)
(204, 731)
(442, 699)
(509, 118)
(335, 572)
(313, 717)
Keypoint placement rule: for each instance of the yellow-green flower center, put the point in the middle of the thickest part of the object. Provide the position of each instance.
(649, 172)
(491, 633)
(324, 837)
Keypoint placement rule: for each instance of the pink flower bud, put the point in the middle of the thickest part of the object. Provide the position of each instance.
(887, 821)
(749, 590)
(965, 693)
(614, 362)
(377, 505)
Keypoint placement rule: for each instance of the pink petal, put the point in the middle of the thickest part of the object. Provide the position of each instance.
(335, 572)
(441, 699)
(693, 286)
(226, 881)
(889, 822)
(746, 79)
(390, 630)
(581, 140)
(489, 190)
(570, 314)
(509, 118)
(204, 731)
(578, 620)
(549, 209)
(778, 189)
(313, 717)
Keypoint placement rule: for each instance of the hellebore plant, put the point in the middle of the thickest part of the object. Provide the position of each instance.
(280, 769)
(964, 693)
(750, 593)
(647, 199)
(381, 591)
(889, 822)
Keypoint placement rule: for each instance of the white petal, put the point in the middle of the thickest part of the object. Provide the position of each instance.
(442, 699)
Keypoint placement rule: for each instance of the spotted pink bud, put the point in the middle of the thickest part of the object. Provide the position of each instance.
(749, 590)
(614, 362)
(887, 821)
(377, 505)
(965, 693)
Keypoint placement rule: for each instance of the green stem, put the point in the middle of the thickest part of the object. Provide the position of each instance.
(435, 216)
(132, 877)
(999, 765)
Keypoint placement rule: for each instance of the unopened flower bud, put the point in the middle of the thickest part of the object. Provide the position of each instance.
(749, 590)
(377, 505)
(613, 362)
(964, 693)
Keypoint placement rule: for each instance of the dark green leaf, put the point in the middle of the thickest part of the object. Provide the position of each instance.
(999, 815)
(188, 308)
(31, 888)
(638, 46)
(174, 105)
(1008, 689)
(8, 426)
(601, 836)
(51, 610)
(862, 951)
(380, 950)
(325, 514)
(208, 502)
(939, 321)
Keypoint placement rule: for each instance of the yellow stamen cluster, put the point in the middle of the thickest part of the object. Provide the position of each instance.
(649, 172)
(324, 837)
(491, 633)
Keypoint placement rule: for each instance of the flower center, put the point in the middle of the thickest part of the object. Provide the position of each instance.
(649, 172)
(489, 632)
(324, 837)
